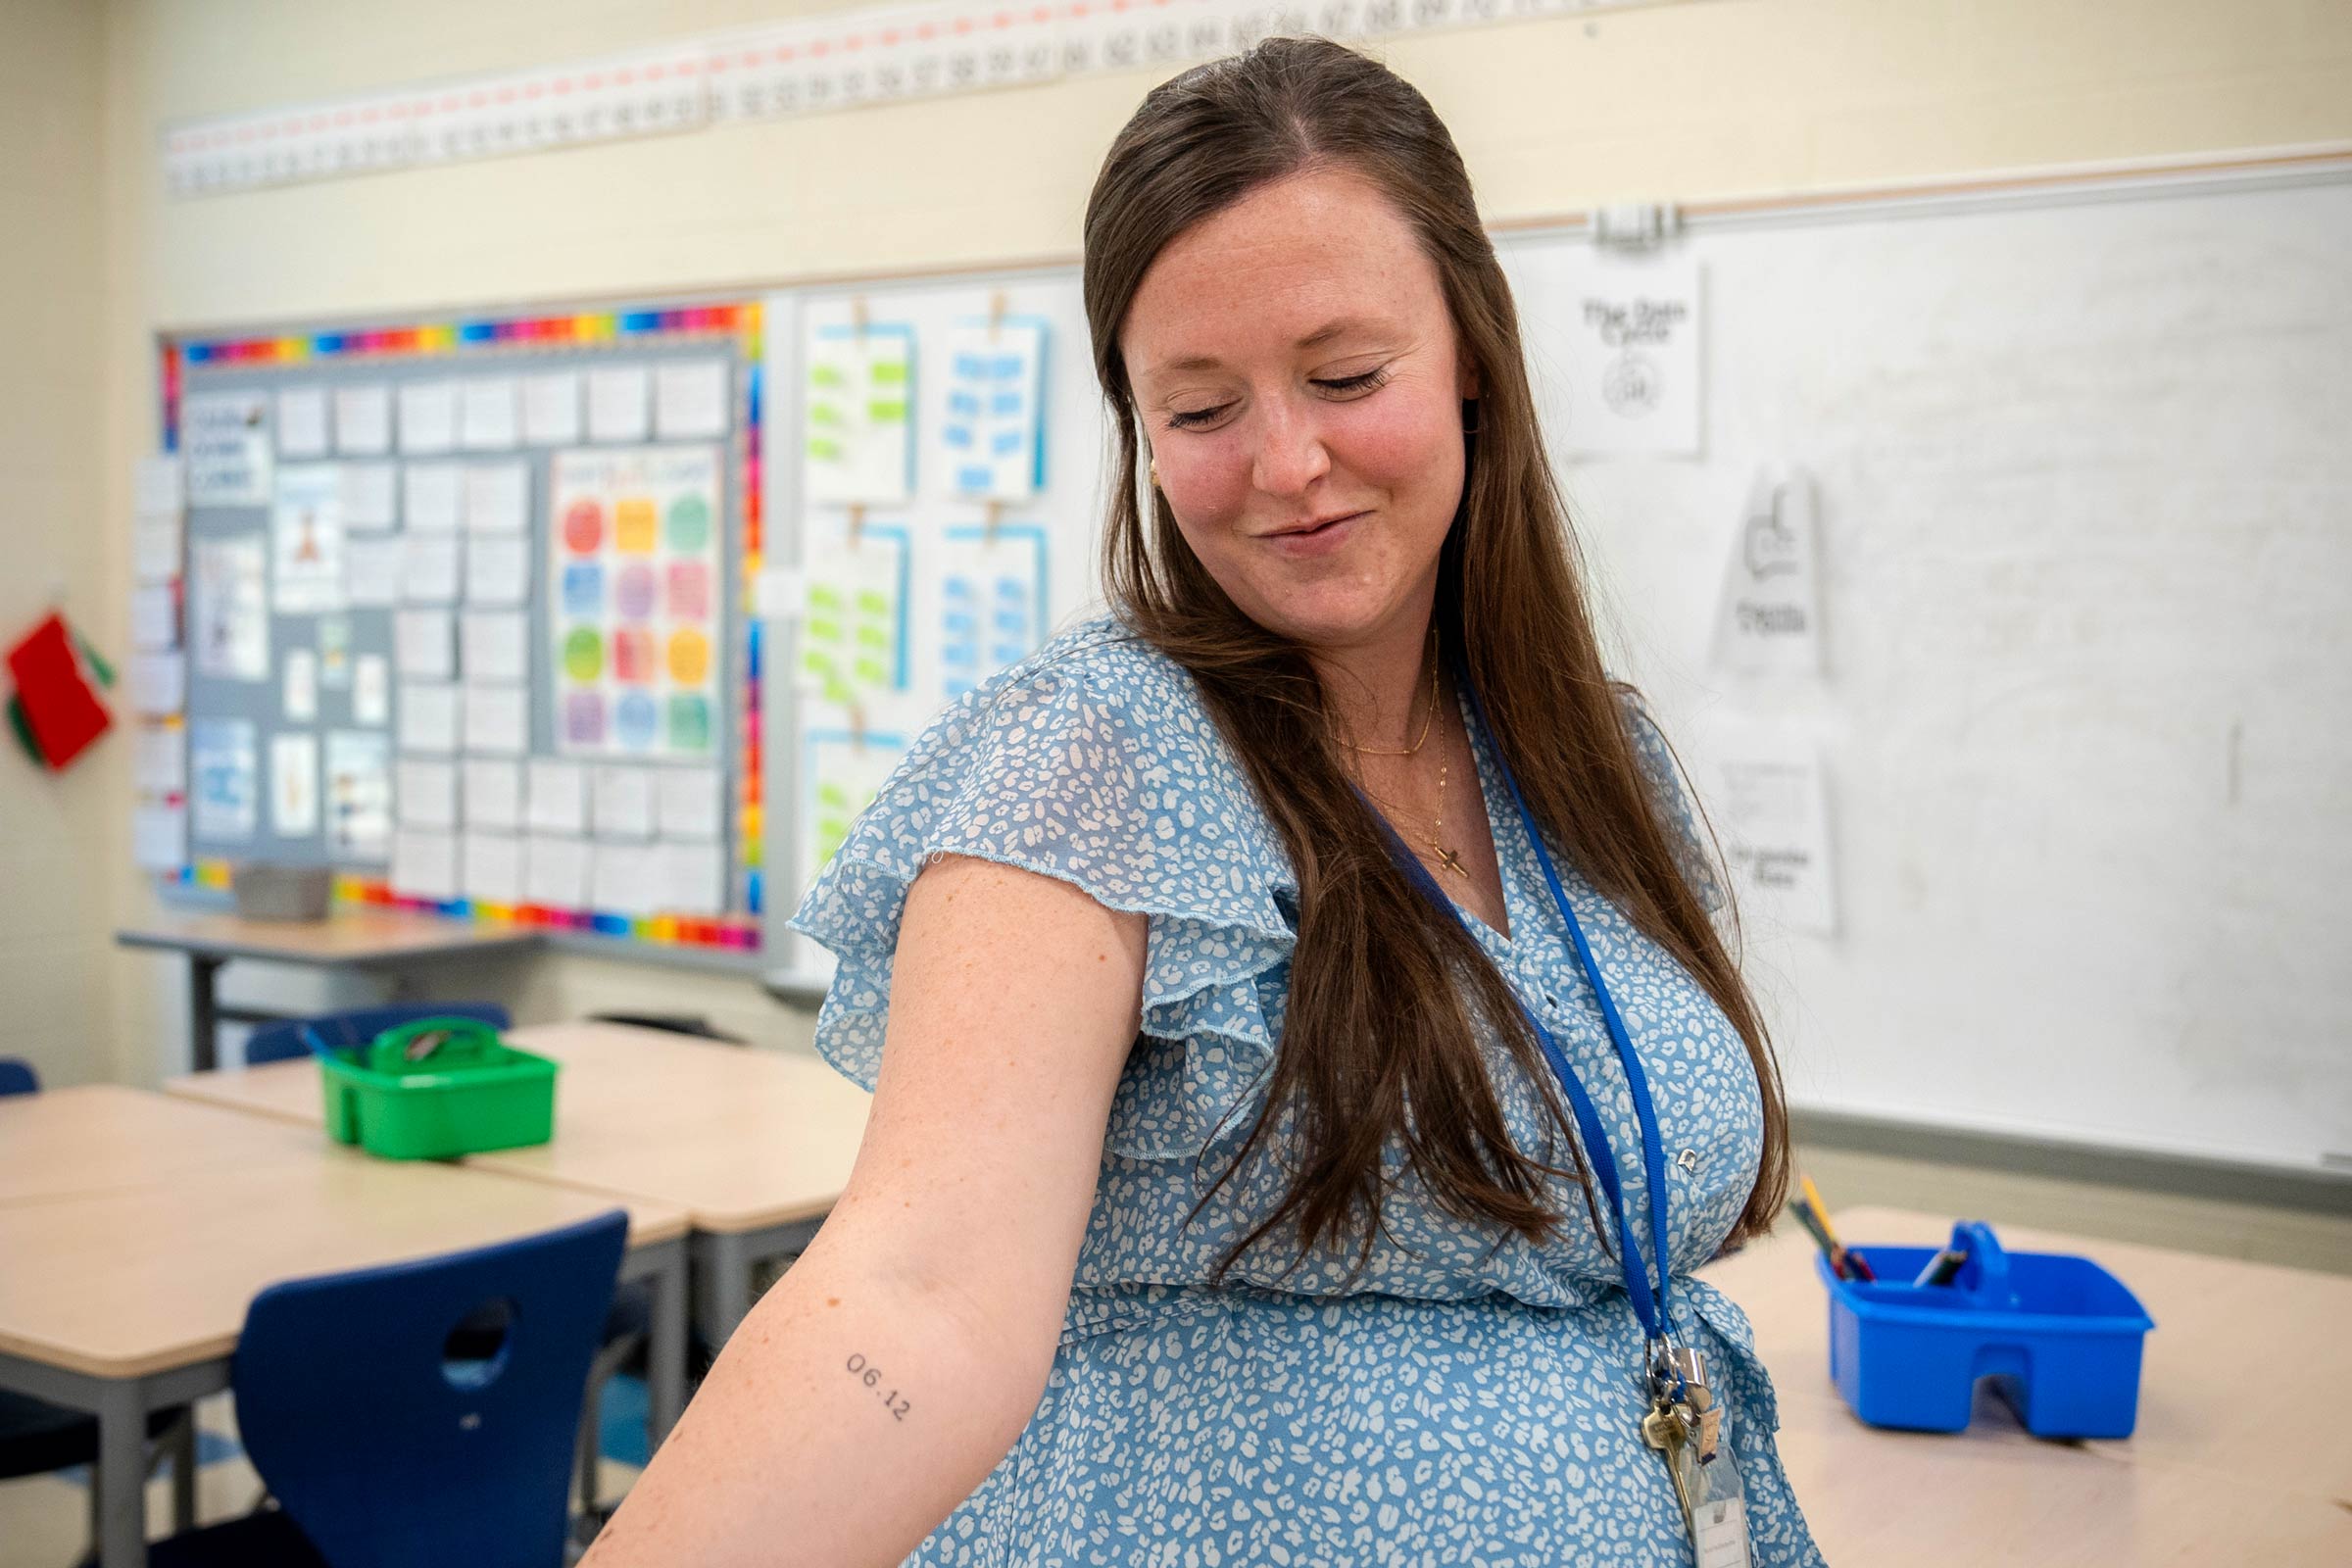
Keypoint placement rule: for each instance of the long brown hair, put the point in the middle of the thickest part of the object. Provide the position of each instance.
(1378, 1016)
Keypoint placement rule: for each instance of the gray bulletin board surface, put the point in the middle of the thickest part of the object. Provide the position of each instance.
(654, 854)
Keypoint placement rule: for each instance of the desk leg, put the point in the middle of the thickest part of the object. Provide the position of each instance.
(723, 1261)
(183, 1449)
(120, 1483)
(722, 1287)
(204, 1013)
(666, 1352)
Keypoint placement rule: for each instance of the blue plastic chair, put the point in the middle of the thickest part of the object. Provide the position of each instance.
(284, 1042)
(37, 1437)
(381, 1450)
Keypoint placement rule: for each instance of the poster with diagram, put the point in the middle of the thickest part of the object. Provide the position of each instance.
(636, 600)
(306, 540)
(853, 617)
(359, 793)
(857, 395)
(223, 769)
(842, 771)
(231, 621)
(1630, 359)
(993, 437)
(1767, 788)
(992, 601)
(225, 437)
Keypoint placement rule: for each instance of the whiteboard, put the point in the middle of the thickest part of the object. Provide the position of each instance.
(2084, 473)
(2085, 501)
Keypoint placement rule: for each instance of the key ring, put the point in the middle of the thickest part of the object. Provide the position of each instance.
(1664, 1375)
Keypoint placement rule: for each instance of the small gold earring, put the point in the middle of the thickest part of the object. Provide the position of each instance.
(1154, 473)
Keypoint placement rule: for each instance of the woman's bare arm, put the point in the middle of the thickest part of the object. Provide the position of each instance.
(945, 1267)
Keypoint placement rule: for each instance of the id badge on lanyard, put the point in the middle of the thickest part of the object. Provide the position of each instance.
(1687, 1422)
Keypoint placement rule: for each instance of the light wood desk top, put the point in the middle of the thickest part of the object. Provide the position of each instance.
(741, 1139)
(346, 937)
(98, 1138)
(140, 1279)
(2194, 1484)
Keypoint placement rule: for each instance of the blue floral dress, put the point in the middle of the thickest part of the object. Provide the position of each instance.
(1472, 1398)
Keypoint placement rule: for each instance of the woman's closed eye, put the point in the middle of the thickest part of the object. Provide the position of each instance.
(1356, 385)
(1197, 418)
(1343, 387)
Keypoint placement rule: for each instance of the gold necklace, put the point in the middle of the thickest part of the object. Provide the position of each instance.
(1451, 859)
(1427, 721)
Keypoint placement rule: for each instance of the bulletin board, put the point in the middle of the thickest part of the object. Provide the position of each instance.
(937, 488)
(462, 615)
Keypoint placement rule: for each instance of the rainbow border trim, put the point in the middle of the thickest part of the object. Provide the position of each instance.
(740, 320)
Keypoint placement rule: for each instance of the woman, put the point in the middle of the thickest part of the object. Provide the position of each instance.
(1221, 1202)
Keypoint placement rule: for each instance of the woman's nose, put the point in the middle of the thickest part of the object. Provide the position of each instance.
(1291, 455)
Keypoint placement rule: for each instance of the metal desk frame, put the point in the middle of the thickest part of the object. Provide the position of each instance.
(723, 1261)
(207, 958)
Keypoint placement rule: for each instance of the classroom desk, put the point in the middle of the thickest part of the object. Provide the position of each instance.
(2207, 1477)
(102, 1138)
(124, 1291)
(347, 939)
(756, 1146)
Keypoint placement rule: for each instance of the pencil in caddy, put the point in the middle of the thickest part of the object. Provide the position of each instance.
(2060, 1336)
(435, 1089)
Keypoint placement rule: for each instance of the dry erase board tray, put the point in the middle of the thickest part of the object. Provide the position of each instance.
(2059, 1337)
(728, 944)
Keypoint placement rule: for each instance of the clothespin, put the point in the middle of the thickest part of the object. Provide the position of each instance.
(857, 724)
(858, 317)
(995, 515)
(996, 314)
(1635, 225)
(857, 522)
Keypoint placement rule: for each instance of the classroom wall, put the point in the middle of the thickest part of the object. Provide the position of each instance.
(60, 836)
(1702, 99)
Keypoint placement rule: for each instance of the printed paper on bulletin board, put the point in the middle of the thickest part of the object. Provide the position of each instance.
(638, 607)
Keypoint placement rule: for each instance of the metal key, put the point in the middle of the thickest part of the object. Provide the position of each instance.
(1669, 1428)
(1664, 1428)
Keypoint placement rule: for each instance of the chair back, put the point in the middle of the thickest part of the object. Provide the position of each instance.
(17, 1077)
(670, 1024)
(284, 1042)
(389, 1455)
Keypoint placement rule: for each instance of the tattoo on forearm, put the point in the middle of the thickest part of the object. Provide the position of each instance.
(868, 1374)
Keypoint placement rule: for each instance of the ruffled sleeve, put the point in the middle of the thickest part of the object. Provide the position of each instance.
(1668, 788)
(1093, 763)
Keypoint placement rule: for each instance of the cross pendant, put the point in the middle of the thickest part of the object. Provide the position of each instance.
(1451, 859)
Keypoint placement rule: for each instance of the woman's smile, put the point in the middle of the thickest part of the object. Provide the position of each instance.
(1317, 541)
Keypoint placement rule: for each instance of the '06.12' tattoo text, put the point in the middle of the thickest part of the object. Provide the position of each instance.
(866, 1374)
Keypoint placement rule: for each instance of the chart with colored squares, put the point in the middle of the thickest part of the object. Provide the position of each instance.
(458, 611)
(634, 578)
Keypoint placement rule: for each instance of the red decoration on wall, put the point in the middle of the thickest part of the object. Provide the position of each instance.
(58, 708)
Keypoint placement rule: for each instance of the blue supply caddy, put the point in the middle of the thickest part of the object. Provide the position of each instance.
(2059, 1335)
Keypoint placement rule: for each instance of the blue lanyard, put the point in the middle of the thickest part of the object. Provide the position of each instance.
(1649, 1306)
